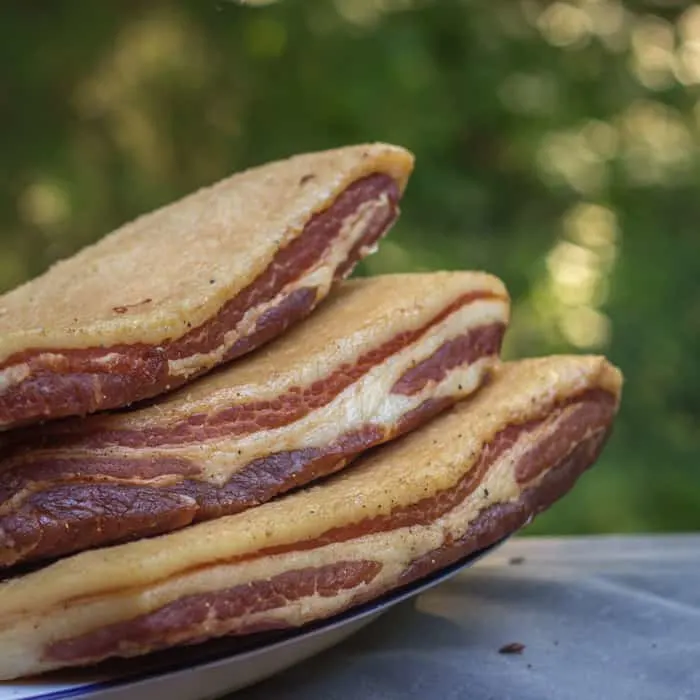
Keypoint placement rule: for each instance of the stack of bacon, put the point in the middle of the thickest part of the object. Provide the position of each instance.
(166, 523)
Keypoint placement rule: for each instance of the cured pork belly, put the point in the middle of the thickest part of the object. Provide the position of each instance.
(193, 285)
(379, 358)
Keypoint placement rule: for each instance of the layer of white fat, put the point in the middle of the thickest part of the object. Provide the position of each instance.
(319, 277)
(24, 637)
(368, 401)
(13, 375)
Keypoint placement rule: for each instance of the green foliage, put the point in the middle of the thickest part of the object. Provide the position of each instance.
(556, 144)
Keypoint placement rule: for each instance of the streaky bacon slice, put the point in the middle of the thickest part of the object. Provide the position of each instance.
(194, 284)
(380, 358)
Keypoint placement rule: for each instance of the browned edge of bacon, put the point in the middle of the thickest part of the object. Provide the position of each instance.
(65, 382)
(71, 507)
(197, 617)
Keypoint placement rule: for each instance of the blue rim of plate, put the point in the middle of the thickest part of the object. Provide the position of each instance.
(167, 662)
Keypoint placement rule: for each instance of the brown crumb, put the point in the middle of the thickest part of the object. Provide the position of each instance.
(125, 308)
(512, 648)
(514, 561)
(306, 178)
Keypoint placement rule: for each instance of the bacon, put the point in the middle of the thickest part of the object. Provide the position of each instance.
(193, 618)
(470, 477)
(575, 418)
(501, 519)
(189, 616)
(62, 382)
(254, 416)
(88, 484)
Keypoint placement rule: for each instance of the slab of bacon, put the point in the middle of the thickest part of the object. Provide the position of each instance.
(471, 476)
(380, 357)
(194, 284)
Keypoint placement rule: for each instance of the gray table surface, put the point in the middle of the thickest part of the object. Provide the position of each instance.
(610, 617)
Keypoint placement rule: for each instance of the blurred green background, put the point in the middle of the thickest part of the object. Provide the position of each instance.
(556, 143)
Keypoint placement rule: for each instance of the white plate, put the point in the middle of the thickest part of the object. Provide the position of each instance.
(216, 668)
